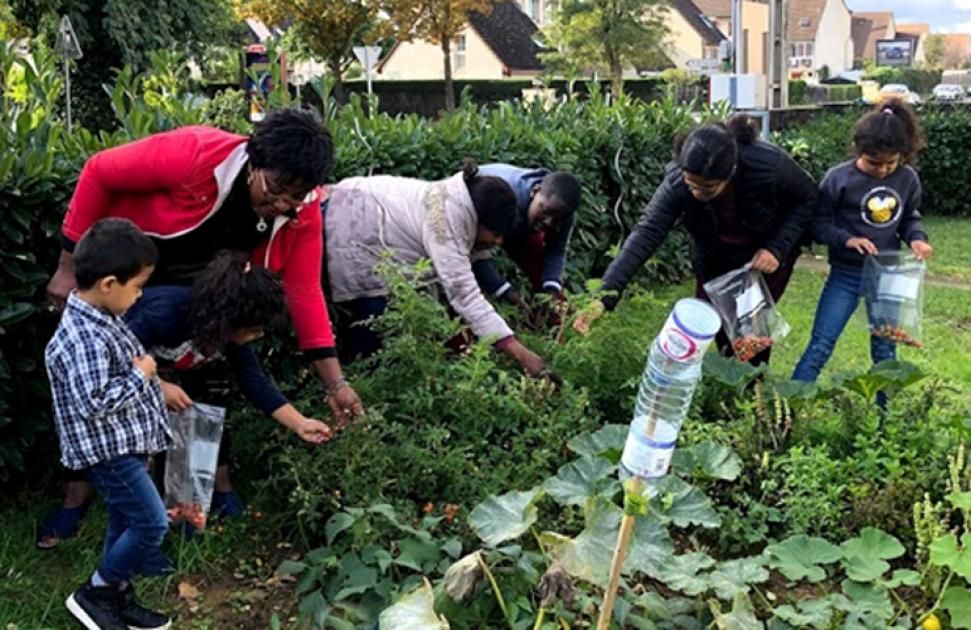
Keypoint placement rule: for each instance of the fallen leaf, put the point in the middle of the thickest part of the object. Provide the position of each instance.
(188, 592)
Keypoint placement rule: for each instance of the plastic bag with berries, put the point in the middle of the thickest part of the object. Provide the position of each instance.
(748, 312)
(190, 462)
(893, 288)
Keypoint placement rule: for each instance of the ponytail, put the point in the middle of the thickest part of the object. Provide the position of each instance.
(892, 127)
(228, 295)
(494, 201)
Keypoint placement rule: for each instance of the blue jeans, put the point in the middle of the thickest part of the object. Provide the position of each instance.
(137, 521)
(839, 300)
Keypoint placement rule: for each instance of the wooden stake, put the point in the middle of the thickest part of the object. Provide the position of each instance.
(635, 486)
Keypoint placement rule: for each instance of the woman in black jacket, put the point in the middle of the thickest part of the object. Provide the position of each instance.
(741, 200)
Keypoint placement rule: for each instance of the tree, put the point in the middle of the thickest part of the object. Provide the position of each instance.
(440, 22)
(328, 29)
(609, 35)
(118, 32)
(934, 47)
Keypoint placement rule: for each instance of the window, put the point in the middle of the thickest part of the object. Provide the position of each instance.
(458, 45)
(805, 22)
(801, 55)
(536, 10)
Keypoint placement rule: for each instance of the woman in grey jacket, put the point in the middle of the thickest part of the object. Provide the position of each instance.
(446, 221)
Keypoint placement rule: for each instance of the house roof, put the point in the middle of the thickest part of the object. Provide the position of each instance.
(715, 8)
(916, 29)
(511, 35)
(804, 16)
(868, 27)
(957, 46)
(694, 16)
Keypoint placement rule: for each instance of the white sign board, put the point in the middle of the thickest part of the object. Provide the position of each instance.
(704, 66)
(368, 56)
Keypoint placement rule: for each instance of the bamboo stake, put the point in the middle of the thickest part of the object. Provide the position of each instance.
(636, 486)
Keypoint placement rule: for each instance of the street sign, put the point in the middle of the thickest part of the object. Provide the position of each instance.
(704, 66)
(67, 45)
(368, 56)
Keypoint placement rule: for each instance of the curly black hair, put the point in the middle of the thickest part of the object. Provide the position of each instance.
(229, 295)
(296, 145)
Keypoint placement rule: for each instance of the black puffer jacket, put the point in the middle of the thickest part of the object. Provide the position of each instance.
(775, 200)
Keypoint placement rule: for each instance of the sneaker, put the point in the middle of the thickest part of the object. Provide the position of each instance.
(97, 607)
(137, 617)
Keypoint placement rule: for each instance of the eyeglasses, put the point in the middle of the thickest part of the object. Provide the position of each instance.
(706, 191)
(274, 193)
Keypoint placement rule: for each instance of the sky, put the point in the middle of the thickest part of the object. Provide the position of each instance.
(944, 16)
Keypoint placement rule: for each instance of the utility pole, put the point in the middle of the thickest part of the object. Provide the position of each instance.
(738, 37)
(778, 54)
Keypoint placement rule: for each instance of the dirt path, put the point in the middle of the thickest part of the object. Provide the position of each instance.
(819, 264)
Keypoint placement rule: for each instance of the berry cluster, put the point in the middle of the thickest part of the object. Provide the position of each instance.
(749, 346)
(190, 512)
(895, 334)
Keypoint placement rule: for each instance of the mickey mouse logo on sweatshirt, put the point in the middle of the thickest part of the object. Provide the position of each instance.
(881, 207)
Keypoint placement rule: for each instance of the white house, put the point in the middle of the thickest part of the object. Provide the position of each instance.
(820, 34)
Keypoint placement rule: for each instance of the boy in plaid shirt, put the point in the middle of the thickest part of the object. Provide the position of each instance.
(110, 416)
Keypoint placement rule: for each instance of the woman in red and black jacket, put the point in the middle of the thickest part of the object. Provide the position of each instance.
(743, 201)
(199, 190)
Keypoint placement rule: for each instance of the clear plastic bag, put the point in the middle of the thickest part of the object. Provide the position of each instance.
(748, 312)
(893, 288)
(190, 463)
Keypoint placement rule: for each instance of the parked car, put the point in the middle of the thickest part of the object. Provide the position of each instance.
(947, 92)
(900, 90)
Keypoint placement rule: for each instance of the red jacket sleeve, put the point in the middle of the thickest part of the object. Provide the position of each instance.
(301, 284)
(159, 162)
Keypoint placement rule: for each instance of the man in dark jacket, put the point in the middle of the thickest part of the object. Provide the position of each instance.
(743, 201)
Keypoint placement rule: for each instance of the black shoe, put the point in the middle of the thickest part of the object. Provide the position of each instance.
(137, 617)
(97, 607)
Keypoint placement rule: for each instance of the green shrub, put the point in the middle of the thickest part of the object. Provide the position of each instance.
(943, 166)
(798, 92)
(843, 93)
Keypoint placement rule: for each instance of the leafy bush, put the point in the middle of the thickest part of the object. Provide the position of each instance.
(798, 92)
(827, 140)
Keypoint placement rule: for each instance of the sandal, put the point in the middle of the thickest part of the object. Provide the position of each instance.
(59, 525)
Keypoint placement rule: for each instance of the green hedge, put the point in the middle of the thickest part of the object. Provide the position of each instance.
(944, 166)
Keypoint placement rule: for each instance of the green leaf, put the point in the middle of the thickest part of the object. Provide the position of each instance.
(815, 613)
(581, 480)
(730, 371)
(453, 548)
(682, 572)
(799, 557)
(416, 554)
(864, 556)
(607, 441)
(710, 459)
(957, 603)
(742, 616)
(414, 611)
(796, 390)
(291, 567)
(651, 546)
(734, 576)
(375, 555)
(683, 504)
(15, 313)
(315, 607)
(868, 598)
(902, 577)
(505, 517)
(960, 500)
(945, 552)
(336, 524)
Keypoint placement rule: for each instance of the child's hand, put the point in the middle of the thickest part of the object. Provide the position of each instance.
(921, 250)
(175, 397)
(863, 245)
(146, 364)
(314, 431)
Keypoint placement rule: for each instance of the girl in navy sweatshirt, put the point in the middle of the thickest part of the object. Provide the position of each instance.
(866, 206)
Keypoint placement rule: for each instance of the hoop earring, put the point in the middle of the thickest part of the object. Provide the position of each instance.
(249, 176)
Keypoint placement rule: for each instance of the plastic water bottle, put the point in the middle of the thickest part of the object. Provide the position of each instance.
(671, 375)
